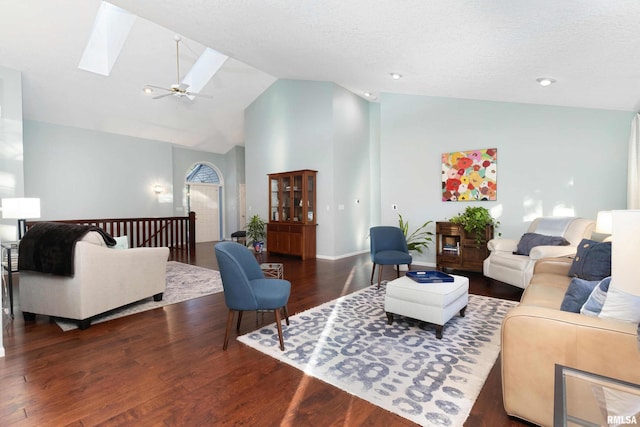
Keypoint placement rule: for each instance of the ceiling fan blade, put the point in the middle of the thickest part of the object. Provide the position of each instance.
(158, 87)
(163, 95)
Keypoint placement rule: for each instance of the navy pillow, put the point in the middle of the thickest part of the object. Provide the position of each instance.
(530, 240)
(577, 294)
(592, 261)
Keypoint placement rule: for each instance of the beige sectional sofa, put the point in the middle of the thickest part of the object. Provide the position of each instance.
(536, 335)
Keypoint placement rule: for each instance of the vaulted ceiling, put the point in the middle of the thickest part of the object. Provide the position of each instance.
(488, 50)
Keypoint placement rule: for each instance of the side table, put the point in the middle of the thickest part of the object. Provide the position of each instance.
(586, 399)
(10, 265)
(272, 270)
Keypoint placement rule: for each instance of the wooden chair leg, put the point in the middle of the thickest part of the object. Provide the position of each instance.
(286, 314)
(226, 334)
(397, 271)
(239, 320)
(372, 271)
(278, 320)
(379, 275)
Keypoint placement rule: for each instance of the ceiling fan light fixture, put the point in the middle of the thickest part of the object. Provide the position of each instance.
(545, 81)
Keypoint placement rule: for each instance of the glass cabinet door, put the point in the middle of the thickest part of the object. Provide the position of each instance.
(310, 199)
(286, 199)
(297, 198)
(274, 194)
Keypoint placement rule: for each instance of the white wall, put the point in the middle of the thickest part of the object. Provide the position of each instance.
(550, 159)
(11, 156)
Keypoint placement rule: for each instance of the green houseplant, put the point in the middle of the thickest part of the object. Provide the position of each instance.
(475, 220)
(420, 239)
(256, 232)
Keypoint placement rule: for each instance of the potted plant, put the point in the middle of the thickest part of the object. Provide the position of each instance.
(420, 239)
(475, 220)
(256, 232)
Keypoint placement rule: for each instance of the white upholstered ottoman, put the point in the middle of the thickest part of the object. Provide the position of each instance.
(435, 303)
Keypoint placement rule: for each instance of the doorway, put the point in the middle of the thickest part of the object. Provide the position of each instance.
(204, 197)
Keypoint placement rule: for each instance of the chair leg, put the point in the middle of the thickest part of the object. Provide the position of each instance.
(398, 271)
(278, 320)
(372, 271)
(379, 275)
(226, 334)
(286, 314)
(239, 320)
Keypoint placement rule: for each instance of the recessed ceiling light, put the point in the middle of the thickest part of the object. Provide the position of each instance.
(370, 96)
(545, 81)
(396, 76)
(147, 90)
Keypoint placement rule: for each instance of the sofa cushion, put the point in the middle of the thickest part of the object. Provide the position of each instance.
(594, 303)
(592, 261)
(577, 294)
(530, 240)
(621, 306)
(122, 242)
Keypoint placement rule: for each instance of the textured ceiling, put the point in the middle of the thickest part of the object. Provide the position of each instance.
(489, 50)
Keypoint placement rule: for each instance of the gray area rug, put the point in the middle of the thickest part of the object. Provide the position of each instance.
(184, 282)
(401, 367)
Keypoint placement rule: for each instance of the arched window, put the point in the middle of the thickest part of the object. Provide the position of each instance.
(203, 174)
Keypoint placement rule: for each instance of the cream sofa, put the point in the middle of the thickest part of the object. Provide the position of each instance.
(503, 265)
(104, 279)
(536, 335)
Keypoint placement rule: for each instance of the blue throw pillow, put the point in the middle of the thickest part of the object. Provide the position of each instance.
(577, 294)
(592, 261)
(531, 240)
(594, 303)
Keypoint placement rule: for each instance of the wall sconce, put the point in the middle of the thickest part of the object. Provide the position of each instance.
(158, 189)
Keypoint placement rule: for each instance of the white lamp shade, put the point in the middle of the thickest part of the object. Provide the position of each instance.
(21, 208)
(604, 222)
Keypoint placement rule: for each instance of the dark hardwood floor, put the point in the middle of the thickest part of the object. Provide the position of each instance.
(166, 366)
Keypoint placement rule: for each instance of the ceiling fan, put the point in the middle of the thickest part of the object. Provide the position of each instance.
(179, 89)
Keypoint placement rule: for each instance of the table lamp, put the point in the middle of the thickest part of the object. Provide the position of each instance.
(21, 208)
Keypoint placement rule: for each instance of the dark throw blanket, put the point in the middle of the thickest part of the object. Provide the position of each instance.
(48, 247)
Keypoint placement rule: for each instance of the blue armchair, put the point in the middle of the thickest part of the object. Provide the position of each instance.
(246, 288)
(388, 247)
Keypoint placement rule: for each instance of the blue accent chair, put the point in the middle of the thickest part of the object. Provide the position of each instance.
(246, 288)
(388, 247)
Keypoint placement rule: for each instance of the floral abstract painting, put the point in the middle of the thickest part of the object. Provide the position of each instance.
(469, 175)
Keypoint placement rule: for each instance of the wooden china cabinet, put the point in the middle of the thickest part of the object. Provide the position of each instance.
(291, 229)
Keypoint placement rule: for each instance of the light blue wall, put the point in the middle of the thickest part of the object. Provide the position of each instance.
(321, 126)
(81, 173)
(351, 173)
(11, 155)
(550, 159)
(290, 127)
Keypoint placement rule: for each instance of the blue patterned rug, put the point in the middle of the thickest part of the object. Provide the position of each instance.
(184, 282)
(401, 367)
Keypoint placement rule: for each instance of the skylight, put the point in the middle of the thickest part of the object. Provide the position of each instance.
(110, 30)
(204, 69)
